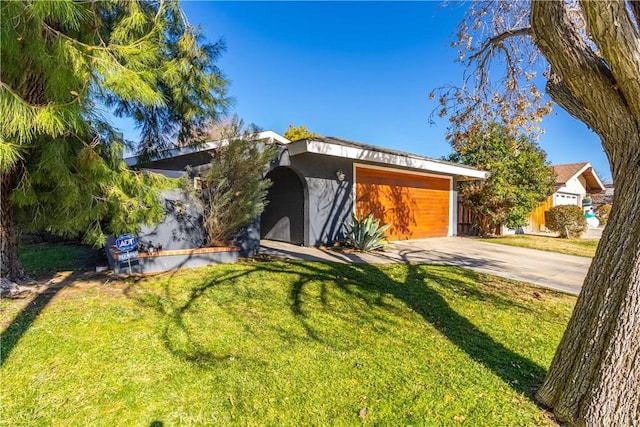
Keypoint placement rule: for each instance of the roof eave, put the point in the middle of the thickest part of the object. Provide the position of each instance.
(588, 168)
(354, 153)
(268, 135)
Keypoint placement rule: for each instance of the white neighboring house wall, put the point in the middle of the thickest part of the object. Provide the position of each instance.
(571, 193)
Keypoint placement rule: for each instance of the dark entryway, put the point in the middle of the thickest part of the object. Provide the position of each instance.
(283, 218)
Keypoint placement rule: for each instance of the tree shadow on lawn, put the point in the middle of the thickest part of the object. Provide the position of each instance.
(176, 334)
(417, 293)
(370, 284)
(21, 323)
(10, 337)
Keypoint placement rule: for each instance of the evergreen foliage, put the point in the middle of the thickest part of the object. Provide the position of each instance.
(235, 192)
(567, 220)
(64, 63)
(520, 177)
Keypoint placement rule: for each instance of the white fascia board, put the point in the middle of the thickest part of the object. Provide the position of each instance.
(355, 153)
(602, 187)
(269, 135)
(131, 161)
(273, 136)
(167, 173)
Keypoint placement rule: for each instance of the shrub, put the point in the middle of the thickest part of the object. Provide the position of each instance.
(366, 234)
(603, 214)
(235, 192)
(567, 220)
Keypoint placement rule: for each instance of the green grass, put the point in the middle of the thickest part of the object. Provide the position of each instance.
(283, 343)
(581, 247)
(46, 258)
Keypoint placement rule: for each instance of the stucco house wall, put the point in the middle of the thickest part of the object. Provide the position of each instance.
(575, 186)
(328, 202)
(314, 191)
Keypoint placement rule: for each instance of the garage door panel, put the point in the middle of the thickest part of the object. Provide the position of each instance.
(416, 206)
(405, 181)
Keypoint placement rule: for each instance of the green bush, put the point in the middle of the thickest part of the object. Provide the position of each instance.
(567, 220)
(603, 214)
(366, 234)
(235, 192)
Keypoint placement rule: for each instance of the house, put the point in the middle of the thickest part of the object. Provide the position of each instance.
(575, 183)
(319, 182)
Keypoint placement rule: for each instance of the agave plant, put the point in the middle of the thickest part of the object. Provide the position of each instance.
(366, 234)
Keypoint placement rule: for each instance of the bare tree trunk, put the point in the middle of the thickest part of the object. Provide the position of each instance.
(10, 267)
(594, 378)
(485, 225)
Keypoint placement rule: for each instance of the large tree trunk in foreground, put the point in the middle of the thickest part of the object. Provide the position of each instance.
(594, 378)
(10, 267)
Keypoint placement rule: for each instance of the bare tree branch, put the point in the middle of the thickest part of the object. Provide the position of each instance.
(558, 89)
(494, 43)
(498, 39)
(586, 76)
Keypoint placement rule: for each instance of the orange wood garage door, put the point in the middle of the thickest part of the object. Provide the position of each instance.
(416, 206)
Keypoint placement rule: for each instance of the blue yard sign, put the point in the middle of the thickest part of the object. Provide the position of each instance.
(126, 243)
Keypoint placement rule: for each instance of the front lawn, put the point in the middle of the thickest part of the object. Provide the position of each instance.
(46, 258)
(283, 343)
(578, 247)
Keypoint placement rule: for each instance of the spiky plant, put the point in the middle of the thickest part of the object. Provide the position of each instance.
(365, 233)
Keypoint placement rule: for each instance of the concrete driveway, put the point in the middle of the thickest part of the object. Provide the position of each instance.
(547, 269)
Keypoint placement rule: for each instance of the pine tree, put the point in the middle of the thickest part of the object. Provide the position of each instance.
(64, 64)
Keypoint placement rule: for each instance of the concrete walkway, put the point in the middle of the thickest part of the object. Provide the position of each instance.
(547, 269)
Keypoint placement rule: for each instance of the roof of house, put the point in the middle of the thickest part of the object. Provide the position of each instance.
(269, 136)
(333, 147)
(358, 151)
(571, 170)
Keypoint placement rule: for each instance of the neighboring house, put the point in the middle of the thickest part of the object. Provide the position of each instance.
(574, 183)
(605, 198)
(319, 182)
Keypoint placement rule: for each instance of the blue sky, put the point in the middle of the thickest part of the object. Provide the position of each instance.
(355, 70)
